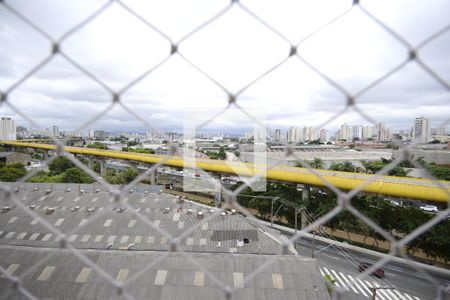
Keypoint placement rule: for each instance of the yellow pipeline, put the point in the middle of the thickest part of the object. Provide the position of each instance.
(423, 189)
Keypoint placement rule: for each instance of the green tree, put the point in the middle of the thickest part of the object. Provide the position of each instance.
(75, 175)
(60, 164)
(98, 145)
(12, 172)
(345, 166)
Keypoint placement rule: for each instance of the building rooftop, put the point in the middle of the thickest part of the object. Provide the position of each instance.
(132, 245)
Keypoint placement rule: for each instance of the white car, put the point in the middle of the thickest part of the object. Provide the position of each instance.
(429, 208)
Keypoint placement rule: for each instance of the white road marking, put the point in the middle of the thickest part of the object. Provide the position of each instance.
(111, 239)
(122, 275)
(277, 281)
(176, 217)
(21, 236)
(238, 279)
(340, 280)
(59, 222)
(160, 278)
(328, 273)
(180, 225)
(348, 283)
(12, 220)
(131, 223)
(83, 275)
(46, 273)
(107, 223)
(11, 269)
(73, 237)
(47, 237)
(34, 236)
(357, 285)
(10, 235)
(205, 226)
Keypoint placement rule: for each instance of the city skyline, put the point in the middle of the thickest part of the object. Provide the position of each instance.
(290, 94)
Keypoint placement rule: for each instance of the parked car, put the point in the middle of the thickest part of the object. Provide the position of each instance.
(429, 208)
(377, 273)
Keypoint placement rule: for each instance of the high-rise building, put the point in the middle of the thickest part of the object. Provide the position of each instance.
(346, 132)
(421, 130)
(323, 135)
(310, 134)
(357, 132)
(367, 132)
(293, 134)
(381, 132)
(277, 135)
(55, 131)
(7, 129)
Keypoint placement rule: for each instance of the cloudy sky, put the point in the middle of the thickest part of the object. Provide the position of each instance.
(233, 50)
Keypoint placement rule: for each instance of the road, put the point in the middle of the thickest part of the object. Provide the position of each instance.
(342, 264)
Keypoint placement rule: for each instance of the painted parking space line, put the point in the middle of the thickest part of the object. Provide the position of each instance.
(111, 239)
(46, 237)
(46, 273)
(83, 275)
(59, 222)
(12, 268)
(21, 236)
(34, 236)
(160, 278)
(131, 223)
(12, 220)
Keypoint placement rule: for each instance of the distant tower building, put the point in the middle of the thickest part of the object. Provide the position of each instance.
(357, 132)
(421, 130)
(293, 135)
(277, 135)
(7, 129)
(323, 135)
(381, 132)
(345, 132)
(367, 132)
(55, 131)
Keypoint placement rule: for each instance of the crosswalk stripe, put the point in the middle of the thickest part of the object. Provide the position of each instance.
(369, 292)
(370, 285)
(383, 291)
(398, 294)
(321, 272)
(357, 285)
(340, 280)
(328, 273)
(408, 296)
(349, 283)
